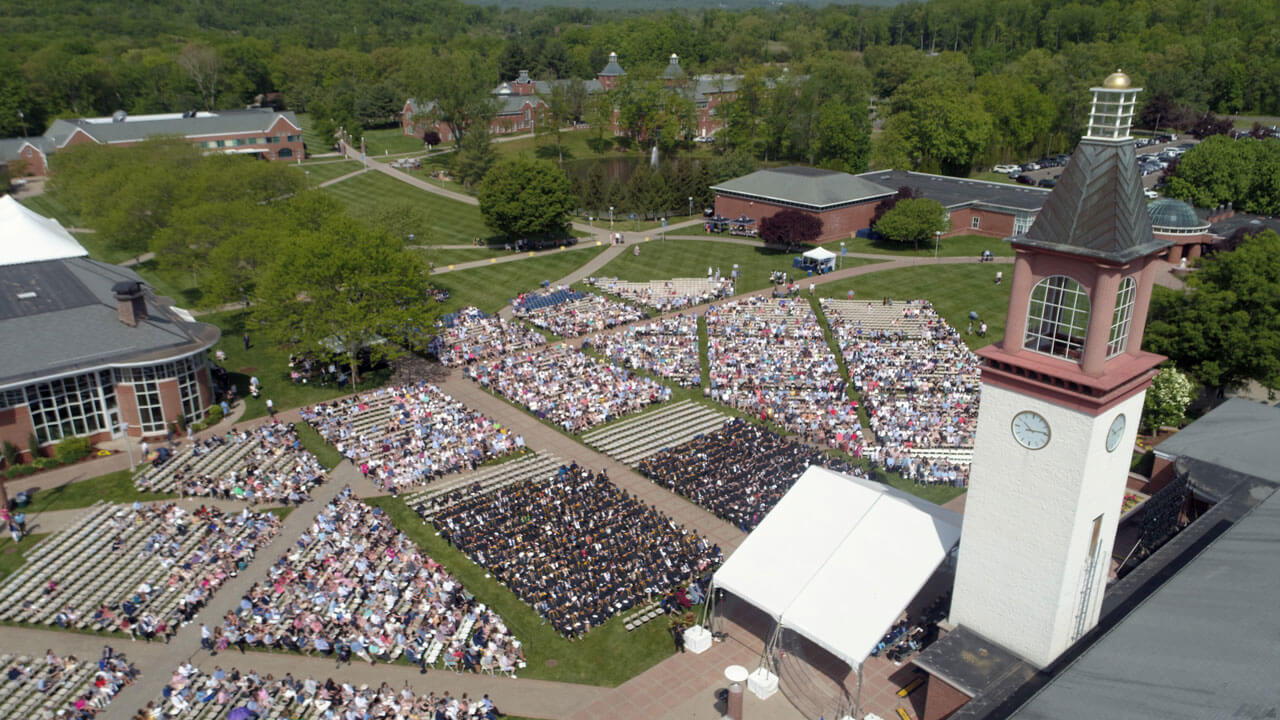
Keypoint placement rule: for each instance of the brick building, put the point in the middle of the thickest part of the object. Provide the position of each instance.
(89, 348)
(262, 132)
(846, 203)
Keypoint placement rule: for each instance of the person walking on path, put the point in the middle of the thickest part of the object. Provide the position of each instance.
(246, 341)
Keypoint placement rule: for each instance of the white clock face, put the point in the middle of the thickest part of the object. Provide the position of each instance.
(1115, 433)
(1031, 429)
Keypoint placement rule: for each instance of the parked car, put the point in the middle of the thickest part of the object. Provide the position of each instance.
(1026, 179)
(1152, 194)
(1047, 182)
(1005, 169)
(1030, 167)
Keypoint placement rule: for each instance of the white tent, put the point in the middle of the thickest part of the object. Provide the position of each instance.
(27, 236)
(820, 254)
(839, 558)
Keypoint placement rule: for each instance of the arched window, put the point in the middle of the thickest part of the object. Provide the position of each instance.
(285, 153)
(1057, 318)
(1118, 338)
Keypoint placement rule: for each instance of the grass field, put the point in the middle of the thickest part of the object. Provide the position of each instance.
(690, 258)
(328, 456)
(389, 141)
(954, 290)
(99, 250)
(608, 655)
(13, 556)
(271, 365)
(115, 487)
(48, 205)
(319, 171)
(452, 222)
(315, 144)
(444, 258)
(959, 246)
(491, 288)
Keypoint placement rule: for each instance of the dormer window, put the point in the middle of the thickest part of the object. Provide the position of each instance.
(1057, 318)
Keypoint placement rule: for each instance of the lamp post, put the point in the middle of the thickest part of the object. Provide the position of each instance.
(23, 119)
(610, 218)
(664, 231)
(842, 255)
(937, 239)
(690, 206)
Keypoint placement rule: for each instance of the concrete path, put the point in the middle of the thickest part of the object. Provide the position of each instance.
(340, 178)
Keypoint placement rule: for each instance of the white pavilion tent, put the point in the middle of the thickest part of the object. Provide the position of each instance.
(820, 257)
(27, 236)
(839, 558)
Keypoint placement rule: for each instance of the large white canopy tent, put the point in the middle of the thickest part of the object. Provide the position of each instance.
(820, 257)
(26, 236)
(839, 558)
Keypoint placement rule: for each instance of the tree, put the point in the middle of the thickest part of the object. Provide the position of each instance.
(790, 228)
(474, 156)
(557, 110)
(1168, 398)
(913, 220)
(521, 197)
(840, 143)
(942, 122)
(904, 193)
(204, 67)
(431, 138)
(1225, 329)
(1208, 125)
(459, 82)
(348, 290)
(1217, 171)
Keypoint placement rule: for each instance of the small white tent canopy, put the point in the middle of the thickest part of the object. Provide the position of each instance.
(820, 258)
(839, 558)
(27, 236)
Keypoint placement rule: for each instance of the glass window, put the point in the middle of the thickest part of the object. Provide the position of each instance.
(150, 410)
(67, 406)
(1057, 318)
(1118, 338)
(189, 389)
(1022, 223)
(285, 152)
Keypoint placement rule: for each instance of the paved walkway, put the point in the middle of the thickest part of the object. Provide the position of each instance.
(340, 178)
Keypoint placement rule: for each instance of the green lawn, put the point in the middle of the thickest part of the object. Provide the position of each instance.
(444, 258)
(389, 141)
(319, 171)
(271, 365)
(169, 282)
(13, 556)
(959, 246)
(315, 144)
(608, 655)
(100, 250)
(953, 289)
(452, 222)
(660, 260)
(116, 487)
(49, 206)
(491, 288)
(328, 456)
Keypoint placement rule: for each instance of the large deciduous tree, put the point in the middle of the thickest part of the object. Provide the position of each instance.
(521, 197)
(913, 220)
(790, 228)
(1219, 170)
(1168, 398)
(1225, 330)
(348, 290)
(474, 156)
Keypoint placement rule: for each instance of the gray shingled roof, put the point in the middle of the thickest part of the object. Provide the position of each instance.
(1203, 645)
(220, 122)
(612, 69)
(77, 327)
(805, 186)
(1097, 208)
(955, 192)
(11, 147)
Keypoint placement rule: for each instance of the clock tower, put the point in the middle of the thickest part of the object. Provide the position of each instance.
(1062, 396)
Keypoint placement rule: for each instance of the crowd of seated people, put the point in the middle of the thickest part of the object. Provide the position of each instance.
(470, 335)
(668, 295)
(575, 546)
(586, 314)
(738, 472)
(921, 391)
(271, 466)
(191, 692)
(64, 687)
(418, 433)
(158, 565)
(356, 587)
(667, 347)
(768, 357)
(568, 387)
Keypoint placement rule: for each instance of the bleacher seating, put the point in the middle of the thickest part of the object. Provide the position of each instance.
(584, 314)
(53, 686)
(632, 439)
(440, 496)
(545, 299)
(667, 295)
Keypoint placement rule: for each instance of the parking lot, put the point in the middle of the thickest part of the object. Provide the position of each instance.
(1149, 181)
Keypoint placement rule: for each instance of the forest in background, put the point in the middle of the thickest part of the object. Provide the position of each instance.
(953, 83)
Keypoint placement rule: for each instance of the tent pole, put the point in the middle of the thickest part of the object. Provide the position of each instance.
(708, 608)
(857, 704)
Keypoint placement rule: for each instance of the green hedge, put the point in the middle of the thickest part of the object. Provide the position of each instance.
(72, 449)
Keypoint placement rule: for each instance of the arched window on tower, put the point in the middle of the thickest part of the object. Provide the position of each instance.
(1057, 318)
(1118, 338)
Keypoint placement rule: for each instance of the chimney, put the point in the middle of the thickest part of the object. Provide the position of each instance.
(130, 303)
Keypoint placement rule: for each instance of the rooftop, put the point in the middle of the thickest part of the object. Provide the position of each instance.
(955, 192)
(26, 236)
(1174, 214)
(1238, 435)
(124, 128)
(806, 186)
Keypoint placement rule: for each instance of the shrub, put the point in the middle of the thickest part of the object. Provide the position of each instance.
(72, 449)
(12, 455)
(19, 471)
(33, 445)
(44, 463)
